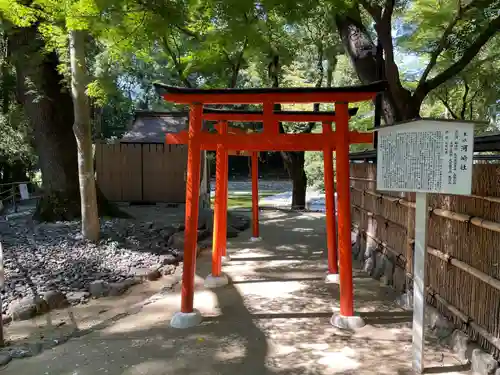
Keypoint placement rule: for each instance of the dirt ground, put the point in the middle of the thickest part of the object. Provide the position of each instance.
(273, 318)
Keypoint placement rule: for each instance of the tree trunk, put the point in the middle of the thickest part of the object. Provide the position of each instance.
(397, 102)
(294, 163)
(49, 107)
(83, 134)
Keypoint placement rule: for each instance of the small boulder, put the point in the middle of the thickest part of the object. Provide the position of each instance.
(203, 234)
(168, 259)
(177, 241)
(150, 274)
(460, 342)
(148, 225)
(55, 299)
(483, 363)
(99, 288)
(232, 232)
(5, 358)
(75, 298)
(205, 219)
(6, 319)
(117, 289)
(205, 244)
(26, 308)
(240, 222)
(168, 232)
(161, 249)
(167, 269)
(179, 227)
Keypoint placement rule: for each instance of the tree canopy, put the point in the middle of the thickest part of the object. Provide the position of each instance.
(440, 59)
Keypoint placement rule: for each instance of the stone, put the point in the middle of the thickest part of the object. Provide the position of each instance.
(459, 342)
(212, 282)
(77, 297)
(99, 288)
(168, 259)
(6, 319)
(399, 279)
(332, 278)
(203, 234)
(347, 322)
(378, 269)
(176, 240)
(405, 300)
(239, 222)
(117, 289)
(167, 269)
(483, 363)
(5, 358)
(179, 227)
(55, 299)
(388, 274)
(148, 225)
(356, 248)
(205, 219)
(369, 265)
(25, 351)
(150, 274)
(232, 232)
(205, 244)
(182, 320)
(168, 232)
(441, 326)
(369, 256)
(26, 308)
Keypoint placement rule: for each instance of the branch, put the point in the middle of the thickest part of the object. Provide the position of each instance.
(447, 106)
(464, 100)
(388, 10)
(236, 68)
(374, 10)
(477, 63)
(383, 28)
(177, 63)
(469, 54)
(441, 45)
(187, 32)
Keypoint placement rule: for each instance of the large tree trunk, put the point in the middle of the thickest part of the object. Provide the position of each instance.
(49, 107)
(83, 134)
(397, 102)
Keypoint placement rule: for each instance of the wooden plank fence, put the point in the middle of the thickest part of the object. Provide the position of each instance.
(134, 172)
(463, 269)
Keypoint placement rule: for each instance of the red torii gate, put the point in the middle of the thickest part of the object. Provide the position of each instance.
(270, 139)
(221, 178)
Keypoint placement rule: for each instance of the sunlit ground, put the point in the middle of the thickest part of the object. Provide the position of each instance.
(243, 200)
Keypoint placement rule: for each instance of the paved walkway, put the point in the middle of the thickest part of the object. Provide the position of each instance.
(272, 319)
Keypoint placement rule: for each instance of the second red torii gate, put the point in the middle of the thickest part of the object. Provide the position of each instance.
(270, 139)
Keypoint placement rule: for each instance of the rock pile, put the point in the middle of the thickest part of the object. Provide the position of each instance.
(50, 266)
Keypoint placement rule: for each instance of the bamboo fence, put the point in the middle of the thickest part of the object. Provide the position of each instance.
(463, 266)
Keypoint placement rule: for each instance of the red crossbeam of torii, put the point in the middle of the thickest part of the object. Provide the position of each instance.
(269, 139)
